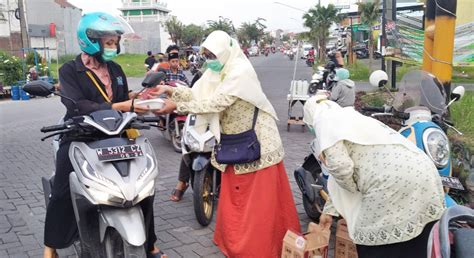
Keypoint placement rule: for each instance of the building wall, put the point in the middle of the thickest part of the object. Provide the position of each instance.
(66, 20)
(10, 38)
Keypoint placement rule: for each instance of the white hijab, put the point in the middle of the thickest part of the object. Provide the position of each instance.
(237, 78)
(332, 123)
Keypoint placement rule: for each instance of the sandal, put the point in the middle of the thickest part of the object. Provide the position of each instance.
(177, 195)
(159, 254)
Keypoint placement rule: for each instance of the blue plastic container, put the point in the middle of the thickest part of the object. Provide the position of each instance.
(15, 91)
(24, 95)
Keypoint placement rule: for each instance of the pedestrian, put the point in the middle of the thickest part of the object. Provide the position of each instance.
(175, 73)
(344, 91)
(388, 190)
(165, 64)
(256, 205)
(94, 82)
(149, 61)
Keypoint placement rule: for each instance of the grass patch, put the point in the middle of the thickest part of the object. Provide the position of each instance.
(462, 114)
(359, 71)
(132, 64)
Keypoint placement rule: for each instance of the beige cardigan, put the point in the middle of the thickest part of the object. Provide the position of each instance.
(235, 117)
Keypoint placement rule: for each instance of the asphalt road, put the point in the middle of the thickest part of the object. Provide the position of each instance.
(24, 159)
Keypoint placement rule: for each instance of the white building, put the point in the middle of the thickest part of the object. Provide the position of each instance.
(147, 18)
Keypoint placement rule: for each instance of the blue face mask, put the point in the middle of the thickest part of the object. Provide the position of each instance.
(109, 54)
(214, 65)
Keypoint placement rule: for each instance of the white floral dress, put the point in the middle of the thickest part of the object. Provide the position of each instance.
(401, 190)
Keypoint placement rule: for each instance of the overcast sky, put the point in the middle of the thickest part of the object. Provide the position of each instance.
(199, 11)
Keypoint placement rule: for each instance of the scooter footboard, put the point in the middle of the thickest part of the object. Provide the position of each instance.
(129, 223)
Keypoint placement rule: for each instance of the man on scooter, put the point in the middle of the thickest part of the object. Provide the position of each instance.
(175, 73)
(94, 82)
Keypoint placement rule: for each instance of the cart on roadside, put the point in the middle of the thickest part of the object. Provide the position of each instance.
(298, 94)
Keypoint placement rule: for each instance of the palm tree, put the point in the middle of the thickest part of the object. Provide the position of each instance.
(175, 28)
(369, 15)
(224, 24)
(318, 19)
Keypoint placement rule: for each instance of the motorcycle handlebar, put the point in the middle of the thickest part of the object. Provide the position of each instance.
(374, 109)
(53, 128)
(148, 119)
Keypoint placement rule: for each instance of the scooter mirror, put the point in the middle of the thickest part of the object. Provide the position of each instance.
(39, 88)
(458, 93)
(378, 78)
(153, 78)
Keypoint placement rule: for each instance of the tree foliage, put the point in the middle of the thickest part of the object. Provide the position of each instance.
(193, 34)
(369, 15)
(175, 28)
(224, 24)
(318, 19)
(10, 69)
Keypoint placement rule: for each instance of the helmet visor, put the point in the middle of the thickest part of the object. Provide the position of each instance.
(114, 27)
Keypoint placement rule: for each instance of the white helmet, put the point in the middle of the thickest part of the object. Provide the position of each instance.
(378, 78)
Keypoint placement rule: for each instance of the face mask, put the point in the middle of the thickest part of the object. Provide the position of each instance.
(109, 54)
(214, 65)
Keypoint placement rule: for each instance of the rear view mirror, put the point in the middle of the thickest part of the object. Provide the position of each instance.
(153, 78)
(457, 93)
(39, 88)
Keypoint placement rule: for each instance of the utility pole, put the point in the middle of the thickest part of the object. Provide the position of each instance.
(391, 65)
(25, 43)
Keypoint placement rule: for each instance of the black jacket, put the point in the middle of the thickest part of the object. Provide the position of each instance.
(75, 84)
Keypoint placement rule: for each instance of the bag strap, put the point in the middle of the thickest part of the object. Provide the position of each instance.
(98, 87)
(255, 114)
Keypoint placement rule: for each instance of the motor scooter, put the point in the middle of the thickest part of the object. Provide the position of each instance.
(113, 174)
(310, 60)
(171, 125)
(420, 104)
(198, 143)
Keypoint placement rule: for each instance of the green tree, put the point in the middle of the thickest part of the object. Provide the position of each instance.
(193, 34)
(10, 69)
(285, 37)
(224, 24)
(175, 28)
(369, 15)
(318, 19)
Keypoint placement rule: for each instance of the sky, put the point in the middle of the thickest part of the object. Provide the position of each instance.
(277, 16)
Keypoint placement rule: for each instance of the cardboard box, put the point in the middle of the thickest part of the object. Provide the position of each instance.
(345, 248)
(313, 244)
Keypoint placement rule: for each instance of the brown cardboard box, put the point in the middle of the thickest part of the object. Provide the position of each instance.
(312, 244)
(345, 248)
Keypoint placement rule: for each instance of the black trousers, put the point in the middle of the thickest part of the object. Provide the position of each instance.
(415, 247)
(60, 227)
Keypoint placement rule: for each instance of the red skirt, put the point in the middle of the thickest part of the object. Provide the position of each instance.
(254, 212)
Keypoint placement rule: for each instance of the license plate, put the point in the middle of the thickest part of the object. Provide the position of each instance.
(119, 152)
(452, 182)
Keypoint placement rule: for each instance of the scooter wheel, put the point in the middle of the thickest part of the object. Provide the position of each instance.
(203, 196)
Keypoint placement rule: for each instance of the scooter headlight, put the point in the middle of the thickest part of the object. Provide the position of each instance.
(150, 162)
(146, 191)
(89, 172)
(436, 145)
(191, 142)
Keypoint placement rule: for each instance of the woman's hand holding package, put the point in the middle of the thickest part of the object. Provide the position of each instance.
(160, 90)
(169, 107)
(325, 220)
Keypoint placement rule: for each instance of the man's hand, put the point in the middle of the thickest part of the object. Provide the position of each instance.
(169, 107)
(325, 221)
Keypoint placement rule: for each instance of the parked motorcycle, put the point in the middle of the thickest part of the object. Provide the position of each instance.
(112, 175)
(310, 60)
(420, 105)
(205, 179)
(452, 235)
(171, 125)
